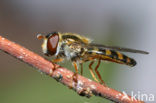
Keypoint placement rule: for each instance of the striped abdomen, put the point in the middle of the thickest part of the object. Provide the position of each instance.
(111, 55)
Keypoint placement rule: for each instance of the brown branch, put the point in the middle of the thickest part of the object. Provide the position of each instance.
(84, 86)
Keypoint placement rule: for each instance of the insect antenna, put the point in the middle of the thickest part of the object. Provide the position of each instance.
(40, 36)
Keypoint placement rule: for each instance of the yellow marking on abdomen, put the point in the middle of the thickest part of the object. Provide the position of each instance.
(108, 52)
(128, 60)
(120, 56)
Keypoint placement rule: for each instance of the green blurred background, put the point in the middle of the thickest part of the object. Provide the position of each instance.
(125, 23)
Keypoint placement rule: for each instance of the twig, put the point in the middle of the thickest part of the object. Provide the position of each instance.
(84, 86)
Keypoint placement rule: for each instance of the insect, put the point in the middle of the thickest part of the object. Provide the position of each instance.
(80, 49)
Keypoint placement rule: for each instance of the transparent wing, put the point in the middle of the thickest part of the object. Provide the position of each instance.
(119, 48)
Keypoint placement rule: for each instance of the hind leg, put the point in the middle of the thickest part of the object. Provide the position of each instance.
(91, 71)
(97, 72)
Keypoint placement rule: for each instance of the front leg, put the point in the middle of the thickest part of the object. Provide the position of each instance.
(56, 60)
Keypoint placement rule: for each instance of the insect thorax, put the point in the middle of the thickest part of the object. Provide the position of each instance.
(70, 51)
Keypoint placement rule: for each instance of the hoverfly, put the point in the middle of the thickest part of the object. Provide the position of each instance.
(80, 49)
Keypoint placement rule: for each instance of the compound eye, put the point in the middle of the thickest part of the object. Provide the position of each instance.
(52, 44)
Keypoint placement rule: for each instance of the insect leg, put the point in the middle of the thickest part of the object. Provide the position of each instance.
(75, 74)
(75, 66)
(81, 68)
(91, 71)
(57, 60)
(97, 72)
